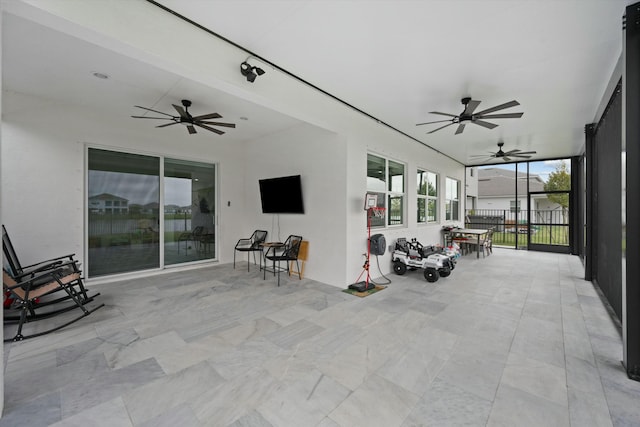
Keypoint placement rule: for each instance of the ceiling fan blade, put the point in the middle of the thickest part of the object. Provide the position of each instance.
(443, 114)
(147, 117)
(168, 124)
(228, 125)
(191, 129)
(219, 132)
(506, 159)
(471, 107)
(520, 156)
(526, 152)
(498, 107)
(155, 111)
(500, 116)
(208, 116)
(460, 128)
(441, 127)
(428, 123)
(484, 124)
(181, 111)
(507, 153)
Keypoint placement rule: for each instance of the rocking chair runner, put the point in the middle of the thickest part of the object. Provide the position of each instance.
(36, 286)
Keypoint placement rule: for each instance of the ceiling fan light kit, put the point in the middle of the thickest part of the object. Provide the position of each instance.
(186, 119)
(506, 156)
(469, 115)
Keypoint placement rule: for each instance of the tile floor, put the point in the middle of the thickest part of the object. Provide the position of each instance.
(515, 339)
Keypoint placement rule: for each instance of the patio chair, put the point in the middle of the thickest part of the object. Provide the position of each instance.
(191, 236)
(250, 244)
(33, 287)
(286, 252)
(20, 272)
(17, 269)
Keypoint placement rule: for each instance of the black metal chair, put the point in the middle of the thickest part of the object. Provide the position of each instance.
(286, 252)
(251, 244)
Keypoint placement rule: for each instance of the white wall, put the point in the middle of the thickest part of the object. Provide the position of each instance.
(56, 135)
(43, 173)
(319, 157)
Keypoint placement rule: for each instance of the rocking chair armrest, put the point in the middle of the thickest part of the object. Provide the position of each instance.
(48, 263)
(47, 270)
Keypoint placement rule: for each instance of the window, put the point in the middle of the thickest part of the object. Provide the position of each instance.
(427, 196)
(386, 179)
(514, 206)
(452, 199)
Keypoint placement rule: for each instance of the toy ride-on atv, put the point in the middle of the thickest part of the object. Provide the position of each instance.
(412, 255)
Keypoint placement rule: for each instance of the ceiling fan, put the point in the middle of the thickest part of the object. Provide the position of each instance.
(185, 118)
(506, 156)
(468, 115)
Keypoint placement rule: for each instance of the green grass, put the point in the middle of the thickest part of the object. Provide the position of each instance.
(544, 235)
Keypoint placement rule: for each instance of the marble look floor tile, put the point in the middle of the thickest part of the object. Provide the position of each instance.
(444, 404)
(294, 333)
(539, 339)
(513, 407)
(587, 409)
(305, 402)
(109, 414)
(235, 398)
(537, 378)
(40, 412)
(249, 355)
(252, 419)
(474, 372)
(38, 382)
(160, 395)
(377, 402)
(193, 353)
(139, 350)
(248, 330)
(107, 385)
(204, 331)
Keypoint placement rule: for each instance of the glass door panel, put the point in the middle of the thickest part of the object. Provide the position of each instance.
(123, 215)
(189, 211)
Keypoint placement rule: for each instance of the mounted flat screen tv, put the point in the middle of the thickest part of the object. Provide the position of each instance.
(281, 195)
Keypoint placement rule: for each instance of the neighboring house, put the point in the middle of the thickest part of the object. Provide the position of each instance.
(503, 192)
(106, 203)
(471, 186)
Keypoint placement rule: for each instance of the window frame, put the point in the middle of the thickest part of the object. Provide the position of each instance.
(449, 212)
(427, 197)
(389, 193)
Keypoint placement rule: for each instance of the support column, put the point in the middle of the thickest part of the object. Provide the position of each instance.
(590, 228)
(631, 193)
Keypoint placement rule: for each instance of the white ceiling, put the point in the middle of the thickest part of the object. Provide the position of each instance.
(395, 60)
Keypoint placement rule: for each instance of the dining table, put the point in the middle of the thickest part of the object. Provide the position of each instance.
(478, 233)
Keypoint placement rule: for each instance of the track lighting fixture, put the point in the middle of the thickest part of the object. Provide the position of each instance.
(250, 72)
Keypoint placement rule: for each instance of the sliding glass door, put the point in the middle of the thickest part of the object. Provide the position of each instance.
(123, 214)
(126, 228)
(189, 211)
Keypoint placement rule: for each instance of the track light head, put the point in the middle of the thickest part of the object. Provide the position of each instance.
(250, 72)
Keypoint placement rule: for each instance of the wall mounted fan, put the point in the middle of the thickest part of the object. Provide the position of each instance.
(468, 115)
(184, 118)
(506, 156)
